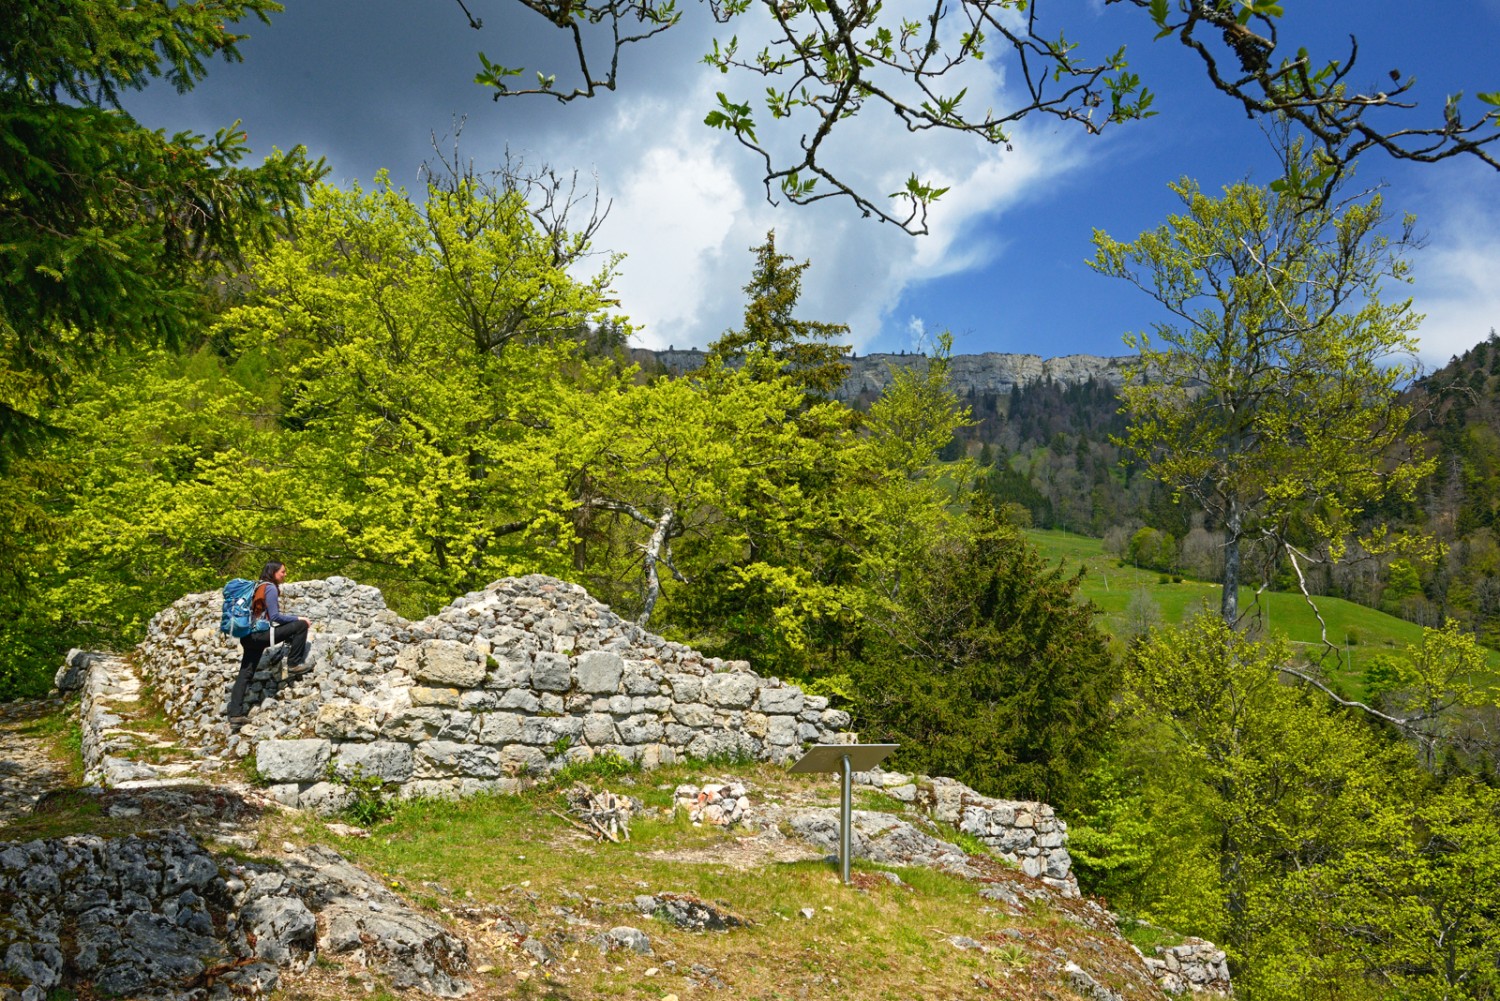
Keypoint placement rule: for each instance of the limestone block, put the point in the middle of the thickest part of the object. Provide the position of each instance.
(431, 789)
(550, 673)
(1058, 864)
(755, 724)
(816, 703)
(500, 728)
(443, 663)
(479, 700)
(550, 702)
(599, 728)
(685, 687)
(619, 705)
(504, 786)
(346, 721)
(325, 798)
(285, 793)
(385, 759)
(656, 704)
(834, 719)
(523, 699)
(784, 700)
(641, 729)
(545, 731)
(292, 760)
(599, 672)
(782, 731)
(717, 743)
(640, 678)
(732, 691)
(447, 698)
(444, 758)
(517, 758)
(678, 735)
(656, 755)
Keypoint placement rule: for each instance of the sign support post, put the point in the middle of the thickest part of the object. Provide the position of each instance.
(845, 759)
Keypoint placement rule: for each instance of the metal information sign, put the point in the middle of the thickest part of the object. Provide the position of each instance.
(845, 759)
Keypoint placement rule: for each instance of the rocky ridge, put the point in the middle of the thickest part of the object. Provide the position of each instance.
(990, 372)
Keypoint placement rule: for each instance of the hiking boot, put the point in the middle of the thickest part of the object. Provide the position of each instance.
(298, 670)
(235, 722)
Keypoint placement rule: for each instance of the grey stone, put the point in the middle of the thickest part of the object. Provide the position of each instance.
(626, 937)
(641, 730)
(292, 760)
(550, 673)
(286, 932)
(732, 691)
(444, 663)
(445, 758)
(599, 728)
(500, 728)
(386, 760)
(599, 672)
(786, 700)
(346, 721)
(685, 687)
(520, 698)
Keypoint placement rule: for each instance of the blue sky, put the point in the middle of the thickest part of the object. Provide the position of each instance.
(367, 82)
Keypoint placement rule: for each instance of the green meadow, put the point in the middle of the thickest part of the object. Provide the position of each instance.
(1356, 631)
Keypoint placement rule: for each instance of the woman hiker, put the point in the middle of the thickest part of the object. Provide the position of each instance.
(288, 629)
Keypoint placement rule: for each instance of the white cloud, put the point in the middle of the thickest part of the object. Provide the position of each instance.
(689, 203)
(1456, 281)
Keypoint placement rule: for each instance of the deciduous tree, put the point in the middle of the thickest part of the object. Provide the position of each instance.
(1270, 399)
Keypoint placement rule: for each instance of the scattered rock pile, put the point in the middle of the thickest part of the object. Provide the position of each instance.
(1026, 833)
(686, 911)
(722, 804)
(1195, 965)
(502, 685)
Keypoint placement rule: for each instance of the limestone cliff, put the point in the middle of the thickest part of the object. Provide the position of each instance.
(990, 372)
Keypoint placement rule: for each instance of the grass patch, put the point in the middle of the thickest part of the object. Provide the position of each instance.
(1111, 587)
(511, 853)
(62, 732)
(1147, 937)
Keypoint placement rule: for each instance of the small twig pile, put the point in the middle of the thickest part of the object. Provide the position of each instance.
(601, 814)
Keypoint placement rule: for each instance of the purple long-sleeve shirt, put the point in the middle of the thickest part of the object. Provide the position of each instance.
(273, 606)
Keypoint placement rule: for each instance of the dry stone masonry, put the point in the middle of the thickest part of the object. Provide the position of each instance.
(502, 686)
(1026, 833)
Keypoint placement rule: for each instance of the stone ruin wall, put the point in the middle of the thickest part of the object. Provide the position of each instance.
(507, 685)
(502, 686)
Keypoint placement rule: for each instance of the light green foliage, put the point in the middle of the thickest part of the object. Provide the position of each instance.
(1336, 868)
(417, 352)
(1270, 401)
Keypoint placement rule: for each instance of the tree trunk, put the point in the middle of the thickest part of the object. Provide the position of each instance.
(1229, 602)
(653, 555)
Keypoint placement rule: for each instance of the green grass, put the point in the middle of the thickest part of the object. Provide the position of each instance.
(513, 853)
(1111, 587)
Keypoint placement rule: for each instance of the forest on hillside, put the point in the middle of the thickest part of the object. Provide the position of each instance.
(205, 366)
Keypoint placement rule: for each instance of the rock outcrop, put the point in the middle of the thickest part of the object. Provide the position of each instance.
(990, 372)
(160, 916)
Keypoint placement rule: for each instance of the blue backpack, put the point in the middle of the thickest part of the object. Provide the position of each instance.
(239, 595)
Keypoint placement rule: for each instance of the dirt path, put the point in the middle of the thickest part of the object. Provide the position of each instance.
(27, 768)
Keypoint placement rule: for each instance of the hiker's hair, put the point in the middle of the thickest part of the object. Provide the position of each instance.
(268, 572)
